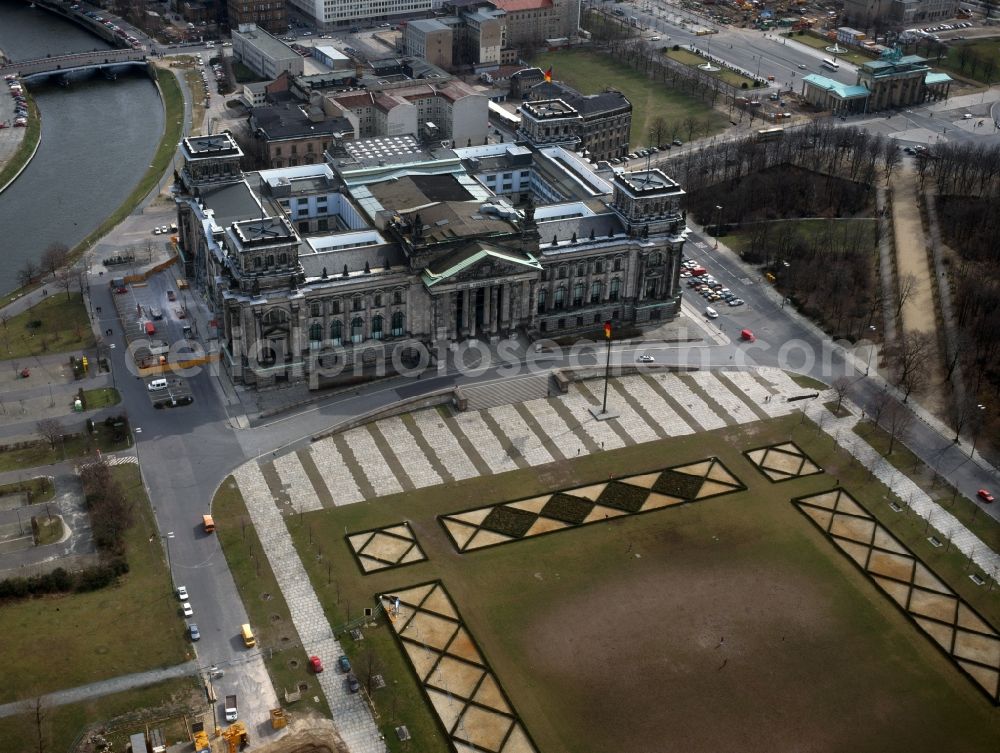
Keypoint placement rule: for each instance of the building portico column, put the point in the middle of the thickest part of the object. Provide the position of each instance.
(467, 326)
(494, 308)
(487, 309)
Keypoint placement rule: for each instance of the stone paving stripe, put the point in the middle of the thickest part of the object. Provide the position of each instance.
(625, 389)
(548, 441)
(616, 404)
(470, 450)
(445, 445)
(411, 455)
(528, 444)
(777, 405)
(660, 407)
(487, 441)
(410, 424)
(335, 472)
(513, 443)
(746, 390)
(675, 401)
(315, 477)
(696, 386)
(351, 463)
(574, 423)
(294, 480)
(722, 393)
(560, 436)
(391, 460)
(373, 464)
(700, 411)
(279, 496)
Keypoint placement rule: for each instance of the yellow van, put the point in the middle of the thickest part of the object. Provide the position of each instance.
(248, 640)
(208, 522)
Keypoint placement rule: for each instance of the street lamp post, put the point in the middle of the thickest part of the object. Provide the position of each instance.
(871, 349)
(169, 535)
(718, 223)
(979, 425)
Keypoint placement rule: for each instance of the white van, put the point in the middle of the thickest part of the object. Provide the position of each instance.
(156, 385)
(711, 313)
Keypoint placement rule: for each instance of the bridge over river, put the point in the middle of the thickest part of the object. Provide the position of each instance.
(79, 61)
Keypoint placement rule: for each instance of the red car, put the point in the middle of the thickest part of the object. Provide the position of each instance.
(985, 495)
(315, 664)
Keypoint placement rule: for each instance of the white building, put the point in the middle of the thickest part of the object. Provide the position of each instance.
(266, 55)
(350, 12)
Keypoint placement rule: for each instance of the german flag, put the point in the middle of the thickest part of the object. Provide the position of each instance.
(607, 330)
(548, 75)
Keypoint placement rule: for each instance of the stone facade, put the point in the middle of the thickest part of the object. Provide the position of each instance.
(320, 275)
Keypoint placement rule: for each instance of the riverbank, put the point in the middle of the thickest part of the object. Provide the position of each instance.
(17, 145)
(173, 103)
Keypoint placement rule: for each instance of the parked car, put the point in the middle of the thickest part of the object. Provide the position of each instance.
(645, 358)
(182, 593)
(344, 664)
(315, 664)
(711, 313)
(984, 494)
(186, 609)
(171, 295)
(352, 684)
(194, 632)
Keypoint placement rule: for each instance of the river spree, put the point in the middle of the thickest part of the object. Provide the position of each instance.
(98, 137)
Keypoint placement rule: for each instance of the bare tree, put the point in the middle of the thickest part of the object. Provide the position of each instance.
(27, 273)
(879, 405)
(65, 279)
(51, 429)
(690, 124)
(658, 130)
(54, 257)
(907, 287)
(840, 386)
(909, 358)
(372, 668)
(898, 420)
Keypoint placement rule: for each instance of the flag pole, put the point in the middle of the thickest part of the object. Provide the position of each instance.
(607, 366)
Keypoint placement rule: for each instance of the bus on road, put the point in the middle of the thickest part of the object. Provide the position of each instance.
(833, 65)
(770, 134)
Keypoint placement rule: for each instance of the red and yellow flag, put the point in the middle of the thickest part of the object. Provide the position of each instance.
(548, 75)
(607, 330)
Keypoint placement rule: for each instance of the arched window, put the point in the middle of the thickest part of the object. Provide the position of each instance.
(256, 262)
(270, 260)
(377, 327)
(337, 332)
(618, 264)
(315, 332)
(357, 330)
(578, 291)
(655, 260)
(595, 292)
(397, 324)
(397, 297)
(335, 307)
(560, 299)
(616, 285)
(542, 298)
(282, 259)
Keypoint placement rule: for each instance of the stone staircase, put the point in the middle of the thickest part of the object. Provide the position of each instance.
(506, 391)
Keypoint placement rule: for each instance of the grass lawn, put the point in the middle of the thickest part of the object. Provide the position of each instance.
(41, 453)
(163, 705)
(54, 325)
(606, 635)
(807, 230)
(102, 397)
(39, 489)
(101, 634)
(981, 59)
(590, 72)
(272, 623)
(821, 44)
(693, 61)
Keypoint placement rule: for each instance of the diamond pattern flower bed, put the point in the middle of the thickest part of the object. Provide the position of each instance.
(460, 685)
(383, 548)
(567, 508)
(508, 521)
(677, 485)
(500, 524)
(625, 497)
(959, 631)
(782, 461)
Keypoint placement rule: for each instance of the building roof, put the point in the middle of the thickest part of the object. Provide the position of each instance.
(516, 5)
(440, 270)
(427, 25)
(271, 46)
(585, 104)
(231, 203)
(330, 52)
(839, 90)
(937, 78)
(288, 122)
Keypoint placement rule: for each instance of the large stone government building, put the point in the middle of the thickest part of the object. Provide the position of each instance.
(383, 256)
